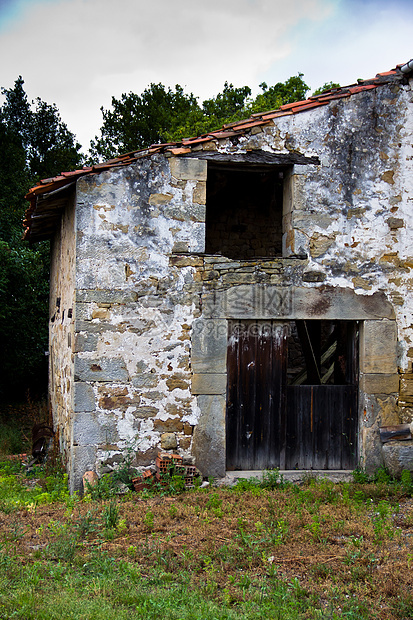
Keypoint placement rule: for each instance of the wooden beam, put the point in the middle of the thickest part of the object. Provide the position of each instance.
(398, 431)
(257, 157)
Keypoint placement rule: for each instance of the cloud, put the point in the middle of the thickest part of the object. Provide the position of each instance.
(356, 40)
(78, 53)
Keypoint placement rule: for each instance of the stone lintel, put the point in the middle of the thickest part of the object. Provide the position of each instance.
(323, 302)
(188, 169)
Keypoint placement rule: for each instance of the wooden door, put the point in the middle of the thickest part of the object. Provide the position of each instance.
(256, 423)
(302, 425)
(321, 427)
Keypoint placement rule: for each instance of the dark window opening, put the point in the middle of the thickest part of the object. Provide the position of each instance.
(244, 211)
(322, 353)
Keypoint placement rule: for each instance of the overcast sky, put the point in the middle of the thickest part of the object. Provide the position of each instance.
(80, 53)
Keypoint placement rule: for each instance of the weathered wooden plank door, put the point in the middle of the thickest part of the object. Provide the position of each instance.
(304, 425)
(321, 426)
(256, 424)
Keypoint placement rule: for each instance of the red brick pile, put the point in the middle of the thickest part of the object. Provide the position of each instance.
(166, 465)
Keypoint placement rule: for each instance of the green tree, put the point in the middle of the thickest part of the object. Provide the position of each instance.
(273, 97)
(34, 143)
(226, 107)
(49, 146)
(326, 86)
(160, 114)
(136, 121)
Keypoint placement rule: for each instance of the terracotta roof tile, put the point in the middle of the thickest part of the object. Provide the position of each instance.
(271, 115)
(180, 148)
(358, 89)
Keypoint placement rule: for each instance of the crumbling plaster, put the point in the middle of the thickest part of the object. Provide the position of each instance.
(142, 279)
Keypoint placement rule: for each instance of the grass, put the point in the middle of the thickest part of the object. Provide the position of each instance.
(258, 550)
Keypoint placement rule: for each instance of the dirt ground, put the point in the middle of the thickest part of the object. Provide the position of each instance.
(318, 535)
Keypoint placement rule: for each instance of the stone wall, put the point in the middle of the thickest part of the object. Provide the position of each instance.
(61, 329)
(146, 373)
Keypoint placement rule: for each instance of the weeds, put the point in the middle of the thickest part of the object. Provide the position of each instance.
(63, 548)
(104, 488)
(260, 550)
(110, 516)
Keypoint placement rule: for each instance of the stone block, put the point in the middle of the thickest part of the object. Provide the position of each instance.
(83, 458)
(145, 380)
(143, 459)
(208, 446)
(186, 212)
(380, 383)
(85, 342)
(307, 220)
(314, 276)
(87, 430)
(172, 425)
(180, 246)
(159, 199)
(186, 261)
(371, 449)
(83, 311)
(95, 328)
(294, 242)
(379, 347)
(398, 455)
(168, 441)
(239, 278)
(187, 169)
(199, 193)
(324, 302)
(177, 382)
(209, 346)
(395, 222)
(116, 398)
(100, 369)
(145, 412)
(84, 397)
(185, 443)
(209, 384)
(320, 244)
(406, 388)
(111, 296)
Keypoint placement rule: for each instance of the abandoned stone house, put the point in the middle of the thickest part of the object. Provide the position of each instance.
(243, 298)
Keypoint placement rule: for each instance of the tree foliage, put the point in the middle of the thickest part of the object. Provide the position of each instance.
(161, 114)
(34, 143)
(326, 86)
(136, 121)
